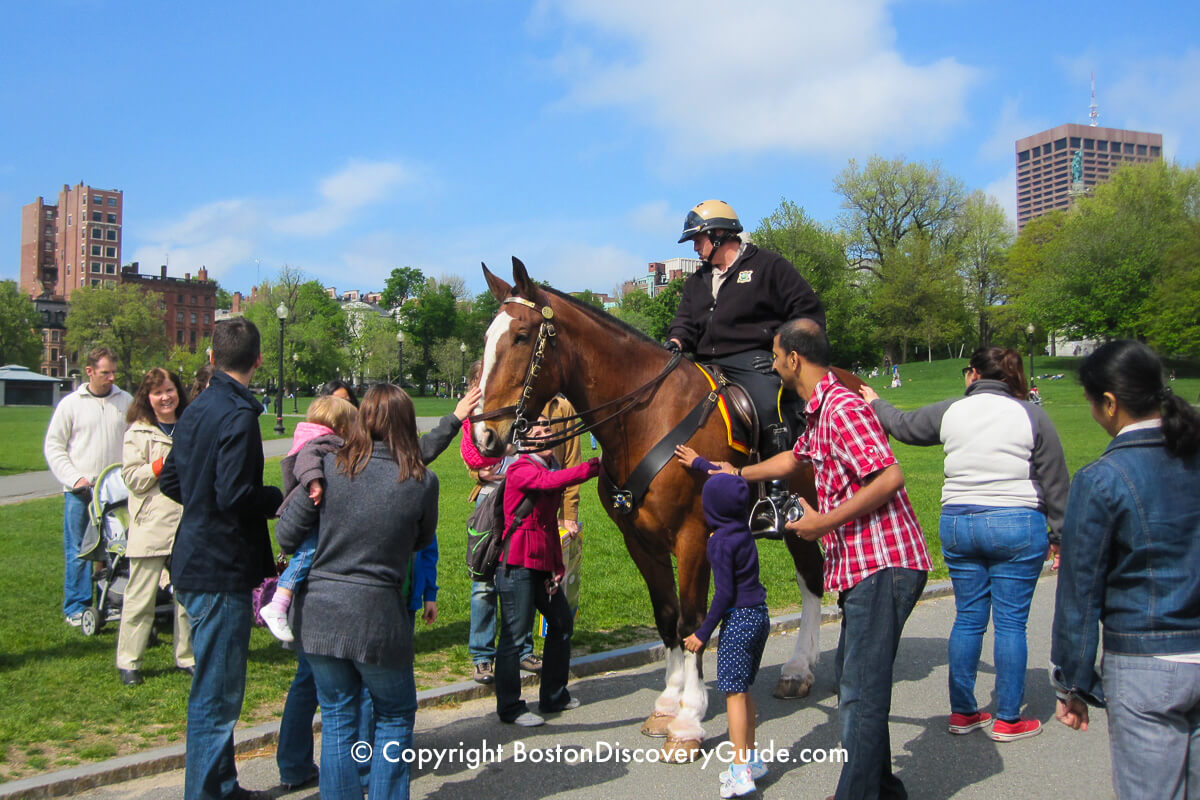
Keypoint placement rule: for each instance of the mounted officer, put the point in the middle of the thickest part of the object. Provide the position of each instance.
(728, 313)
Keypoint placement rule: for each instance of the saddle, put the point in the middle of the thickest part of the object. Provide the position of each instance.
(737, 409)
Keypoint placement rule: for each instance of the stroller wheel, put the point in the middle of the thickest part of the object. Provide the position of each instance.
(91, 622)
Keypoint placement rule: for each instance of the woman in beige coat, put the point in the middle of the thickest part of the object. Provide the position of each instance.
(153, 520)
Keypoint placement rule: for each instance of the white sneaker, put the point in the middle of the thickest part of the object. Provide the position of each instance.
(758, 770)
(529, 720)
(740, 785)
(277, 623)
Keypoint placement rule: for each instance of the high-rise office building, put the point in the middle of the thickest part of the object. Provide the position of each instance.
(72, 244)
(1044, 163)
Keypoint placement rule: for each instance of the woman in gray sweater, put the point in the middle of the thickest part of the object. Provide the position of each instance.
(1006, 481)
(350, 618)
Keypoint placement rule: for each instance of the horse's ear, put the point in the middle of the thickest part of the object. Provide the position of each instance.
(500, 290)
(523, 284)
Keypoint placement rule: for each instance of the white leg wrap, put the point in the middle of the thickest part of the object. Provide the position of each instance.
(693, 704)
(804, 657)
(668, 701)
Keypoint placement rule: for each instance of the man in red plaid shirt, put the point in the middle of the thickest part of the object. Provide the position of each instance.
(875, 554)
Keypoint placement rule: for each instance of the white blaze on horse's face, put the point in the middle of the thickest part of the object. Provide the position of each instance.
(491, 343)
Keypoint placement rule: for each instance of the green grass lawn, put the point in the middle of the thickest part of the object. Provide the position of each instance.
(66, 705)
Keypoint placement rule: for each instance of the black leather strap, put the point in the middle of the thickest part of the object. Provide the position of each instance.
(627, 498)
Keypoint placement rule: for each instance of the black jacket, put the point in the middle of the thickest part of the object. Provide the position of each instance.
(215, 470)
(762, 292)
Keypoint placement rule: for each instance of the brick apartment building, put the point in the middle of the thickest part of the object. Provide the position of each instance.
(660, 273)
(1044, 163)
(74, 243)
(189, 305)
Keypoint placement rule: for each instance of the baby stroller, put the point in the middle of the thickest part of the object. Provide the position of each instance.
(104, 541)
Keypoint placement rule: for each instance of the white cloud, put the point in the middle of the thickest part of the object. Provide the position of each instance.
(716, 78)
(1004, 191)
(359, 184)
(1012, 125)
(217, 235)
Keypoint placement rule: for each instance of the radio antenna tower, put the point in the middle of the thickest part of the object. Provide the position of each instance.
(1094, 113)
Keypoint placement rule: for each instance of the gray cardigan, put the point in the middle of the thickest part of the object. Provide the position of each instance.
(351, 605)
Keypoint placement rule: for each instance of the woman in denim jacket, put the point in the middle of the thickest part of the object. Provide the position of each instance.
(1130, 557)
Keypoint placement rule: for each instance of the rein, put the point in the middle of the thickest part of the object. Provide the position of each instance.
(574, 425)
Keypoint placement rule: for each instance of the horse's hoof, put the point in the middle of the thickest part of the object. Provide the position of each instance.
(656, 724)
(792, 688)
(680, 751)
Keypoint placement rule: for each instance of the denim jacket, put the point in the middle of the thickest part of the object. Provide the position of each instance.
(1130, 559)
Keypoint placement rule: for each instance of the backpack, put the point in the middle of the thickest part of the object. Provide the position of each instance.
(487, 538)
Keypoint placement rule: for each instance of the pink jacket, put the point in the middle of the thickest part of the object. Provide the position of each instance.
(535, 543)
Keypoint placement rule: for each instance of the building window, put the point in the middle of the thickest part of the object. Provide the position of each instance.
(1023, 156)
(192, 337)
(110, 269)
(69, 218)
(112, 218)
(95, 266)
(96, 216)
(193, 317)
(97, 233)
(54, 336)
(97, 199)
(95, 249)
(1155, 152)
(68, 269)
(54, 354)
(112, 201)
(1141, 149)
(178, 337)
(194, 303)
(111, 235)
(178, 317)
(1129, 148)
(1074, 141)
(49, 214)
(1060, 144)
(48, 246)
(178, 298)
(206, 318)
(95, 282)
(110, 252)
(1102, 146)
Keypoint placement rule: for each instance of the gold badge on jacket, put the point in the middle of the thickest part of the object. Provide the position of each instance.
(744, 276)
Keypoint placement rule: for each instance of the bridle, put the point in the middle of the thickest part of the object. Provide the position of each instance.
(573, 425)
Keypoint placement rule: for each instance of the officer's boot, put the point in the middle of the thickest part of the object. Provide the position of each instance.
(767, 517)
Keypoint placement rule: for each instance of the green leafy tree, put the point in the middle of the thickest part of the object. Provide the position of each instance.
(123, 318)
(1173, 323)
(922, 303)
(428, 317)
(402, 284)
(224, 299)
(635, 309)
(19, 323)
(589, 297)
(185, 362)
(315, 329)
(986, 237)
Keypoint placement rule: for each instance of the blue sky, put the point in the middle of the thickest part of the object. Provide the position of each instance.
(348, 139)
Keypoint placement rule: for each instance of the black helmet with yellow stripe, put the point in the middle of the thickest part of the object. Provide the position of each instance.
(709, 217)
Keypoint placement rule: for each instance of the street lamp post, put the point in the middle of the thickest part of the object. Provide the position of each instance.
(400, 350)
(1029, 329)
(462, 348)
(281, 312)
(295, 387)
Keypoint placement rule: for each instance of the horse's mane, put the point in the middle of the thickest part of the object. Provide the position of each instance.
(600, 315)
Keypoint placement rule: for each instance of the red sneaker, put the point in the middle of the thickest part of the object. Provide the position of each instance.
(1021, 729)
(965, 723)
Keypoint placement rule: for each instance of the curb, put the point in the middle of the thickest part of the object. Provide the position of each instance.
(164, 759)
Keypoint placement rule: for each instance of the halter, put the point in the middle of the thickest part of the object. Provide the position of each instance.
(574, 425)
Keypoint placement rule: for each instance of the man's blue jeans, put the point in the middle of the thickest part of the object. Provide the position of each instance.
(77, 574)
(393, 692)
(221, 642)
(994, 558)
(294, 756)
(1153, 726)
(522, 590)
(482, 643)
(873, 615)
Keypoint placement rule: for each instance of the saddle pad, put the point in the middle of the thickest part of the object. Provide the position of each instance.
(735, 434)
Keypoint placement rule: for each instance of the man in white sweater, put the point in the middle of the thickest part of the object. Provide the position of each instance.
(84, 437)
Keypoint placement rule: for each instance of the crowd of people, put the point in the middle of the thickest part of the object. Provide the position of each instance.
(360, 520)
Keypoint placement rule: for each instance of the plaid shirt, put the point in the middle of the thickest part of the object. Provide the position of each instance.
(846, 445)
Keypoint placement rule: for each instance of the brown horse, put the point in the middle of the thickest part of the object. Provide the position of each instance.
(543, 342)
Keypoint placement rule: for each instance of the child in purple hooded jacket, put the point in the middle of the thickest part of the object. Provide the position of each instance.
(739, 604)
(324, 431)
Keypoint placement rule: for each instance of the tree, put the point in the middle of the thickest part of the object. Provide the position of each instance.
(185, 362)
(635, 310)
(922, 301)
(401, 285)
(1173, 323)
(123, 318)
(986, 237)
(224, 299)
(589, 297)
(428, 317)
(819, 255)
(19, 323)
(315, 329)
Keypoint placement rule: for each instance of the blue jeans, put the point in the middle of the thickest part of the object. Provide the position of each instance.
(873, 615)
(298, 565)
(1153, 727)
(482, 644)
(994, 558)
(294, 756)
(221, 642)
(77, 574)
(340, 684)
(521, 591)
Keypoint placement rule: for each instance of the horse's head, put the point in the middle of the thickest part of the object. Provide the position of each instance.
(520, 370)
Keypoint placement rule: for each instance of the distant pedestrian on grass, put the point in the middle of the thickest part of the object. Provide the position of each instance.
(1130, 550)
(222, 550)
(85, 436)
(1006, 481)
(153, 521)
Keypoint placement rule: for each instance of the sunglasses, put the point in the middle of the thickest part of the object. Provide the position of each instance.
(967, 369)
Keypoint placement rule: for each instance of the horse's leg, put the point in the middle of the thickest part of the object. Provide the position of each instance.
(796, 676)
(660, 581)
(685, 733)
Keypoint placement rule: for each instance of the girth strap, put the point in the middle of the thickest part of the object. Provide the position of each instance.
(626, 499)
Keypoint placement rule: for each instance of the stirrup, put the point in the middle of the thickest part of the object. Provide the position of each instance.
(770, 514)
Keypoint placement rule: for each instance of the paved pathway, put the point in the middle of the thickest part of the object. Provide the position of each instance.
(933, 764)
(34, 485)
